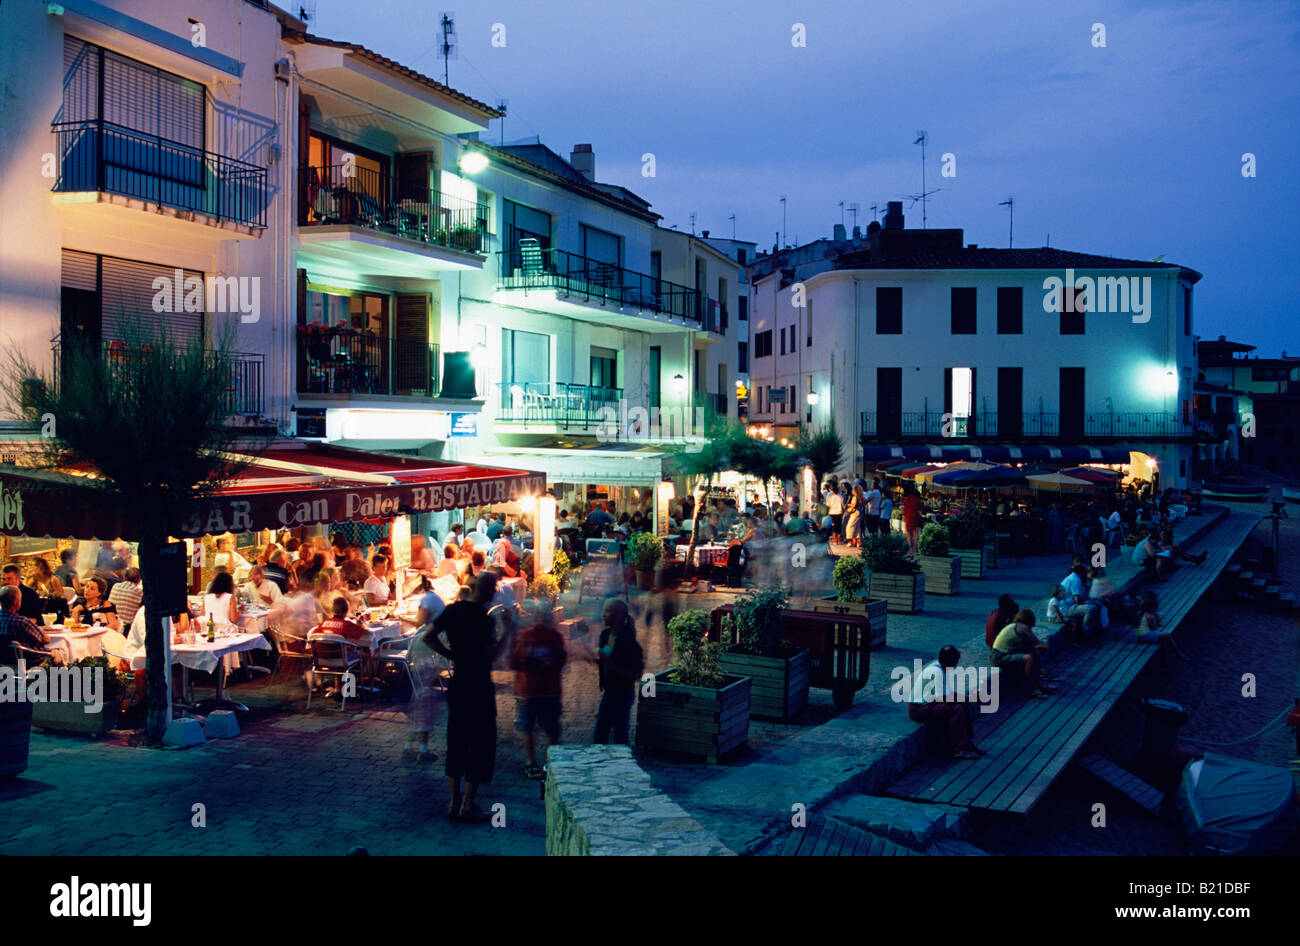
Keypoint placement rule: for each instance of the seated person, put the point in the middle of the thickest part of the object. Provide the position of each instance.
(378, 587)
(949, 716)
(1000, 617)
(448, 564)
(95, 608)
(1169, 550)
(1150, 627)
(477, 562)
(466, 550)
(709, 530)
(340, 625)
(1090, 613)
(506, 560)
(17, 629)
(260, 588)
(1017, 647)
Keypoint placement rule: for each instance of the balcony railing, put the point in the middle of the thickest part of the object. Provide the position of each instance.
(529, 266)
(555, 403)
(96, 155)
(244, 373)
(363, 197)
(344, 362)
(1030, 425)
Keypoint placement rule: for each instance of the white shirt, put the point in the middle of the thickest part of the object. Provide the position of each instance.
(482, 526)
(886, 508)
(873, 502)
(377, 588)
(1073, 586)
(932, 678)
(267, 589)
(835, 504)
(218, 606)
(432, 605)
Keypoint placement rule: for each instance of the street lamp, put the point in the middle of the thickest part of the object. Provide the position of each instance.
(813, 397)
(471, 162)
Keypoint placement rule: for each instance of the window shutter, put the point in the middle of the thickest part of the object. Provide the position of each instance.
(413, 369)
(128, 299)
(413, 176)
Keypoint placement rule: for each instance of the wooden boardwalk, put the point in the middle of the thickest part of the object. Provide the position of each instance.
(827, 837)
(1030, 742)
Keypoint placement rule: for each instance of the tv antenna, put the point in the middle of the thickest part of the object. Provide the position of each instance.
(692, 223)
(841, 213)
(732, 218)
(502, 105)
(853, 213)
(307, 11)
(1010, 204)
(783, 199)
(924, 196)
(447, 46)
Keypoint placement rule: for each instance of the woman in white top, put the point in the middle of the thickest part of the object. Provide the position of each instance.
(219, 603)
(376, 586)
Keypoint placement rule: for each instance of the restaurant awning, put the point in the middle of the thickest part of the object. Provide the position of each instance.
(292, 483)
(612, 464)
(872, 453)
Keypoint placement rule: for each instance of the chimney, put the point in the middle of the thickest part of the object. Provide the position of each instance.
(894, 215)
(857, 232)
(583, 160)
(840, 236)
(705, 234)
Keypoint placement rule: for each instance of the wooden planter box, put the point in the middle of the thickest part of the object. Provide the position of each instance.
(778, 685)
(903, 594)
(72, 717)
(645, 581)
(700, 721)
(972, 562)
(942, 574)
(15, 735)
(875, 610)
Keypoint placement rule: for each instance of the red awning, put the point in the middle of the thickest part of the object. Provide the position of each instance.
(293, 483)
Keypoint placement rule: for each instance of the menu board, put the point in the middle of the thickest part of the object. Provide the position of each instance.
(400, 539)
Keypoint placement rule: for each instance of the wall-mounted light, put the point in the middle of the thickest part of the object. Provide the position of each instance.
(813, 397)
(472, 162)
(679, 383)
(478, 356)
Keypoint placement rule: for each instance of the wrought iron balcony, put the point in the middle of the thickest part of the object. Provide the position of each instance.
(1027, 425)
(342, 361)
(95, 155)
(244, 373)
(363, 197)
(529, 266)
(555, 403)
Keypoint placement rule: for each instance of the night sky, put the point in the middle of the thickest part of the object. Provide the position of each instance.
(1132, 150)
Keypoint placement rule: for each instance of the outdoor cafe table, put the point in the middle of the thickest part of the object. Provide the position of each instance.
(710, 554)
(210, 658)
(76, 644)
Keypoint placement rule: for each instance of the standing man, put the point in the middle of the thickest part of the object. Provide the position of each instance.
(871, 515)
(835, 508)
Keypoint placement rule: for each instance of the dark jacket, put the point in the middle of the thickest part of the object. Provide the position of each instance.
(622, 662)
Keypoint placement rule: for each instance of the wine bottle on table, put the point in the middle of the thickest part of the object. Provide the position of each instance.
(212, 630)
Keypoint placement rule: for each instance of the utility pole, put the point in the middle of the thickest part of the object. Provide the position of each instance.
(1010, 204)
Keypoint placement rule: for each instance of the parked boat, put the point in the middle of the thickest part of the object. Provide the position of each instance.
(1291, 494)
(1235, 491)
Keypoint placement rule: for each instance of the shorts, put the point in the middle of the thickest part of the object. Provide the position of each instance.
(837, 523)
(538, 712)
(1002, 660)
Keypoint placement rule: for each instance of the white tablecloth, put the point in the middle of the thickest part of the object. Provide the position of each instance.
(254, 620)
(383, 630)
(76, 644)
(204, 656)
(705, 553)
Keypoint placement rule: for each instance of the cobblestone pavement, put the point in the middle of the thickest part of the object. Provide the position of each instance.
(322, 781)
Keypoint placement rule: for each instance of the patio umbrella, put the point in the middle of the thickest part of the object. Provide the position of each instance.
(911, 472)
(894, 464)
(928, 477)
(992, 478)
(1059, 483)
(1092, 476)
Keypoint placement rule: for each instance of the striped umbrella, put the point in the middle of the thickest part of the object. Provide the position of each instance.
(961, 465)
(1094, 475)
(1059, 483)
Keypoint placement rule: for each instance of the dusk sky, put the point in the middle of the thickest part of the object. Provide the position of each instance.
(1132, 150)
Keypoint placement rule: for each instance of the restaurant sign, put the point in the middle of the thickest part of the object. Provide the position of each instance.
(464, 425)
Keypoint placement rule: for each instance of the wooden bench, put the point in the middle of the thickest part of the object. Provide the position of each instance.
(1030, 742)
(827, 837)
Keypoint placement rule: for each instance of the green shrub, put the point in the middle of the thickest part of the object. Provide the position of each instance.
(852, 577)
(644, 550)
(934, 540)
(546, 587)
(695, 658)
(755, 622)
(887, 554)
(967, 531)
(561, 568)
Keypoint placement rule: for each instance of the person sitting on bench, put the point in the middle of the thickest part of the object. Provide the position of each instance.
(1170, 553)
(1092, 615)
(1000, 617)
(1016, 646)
(942, 713)
(1149, 629)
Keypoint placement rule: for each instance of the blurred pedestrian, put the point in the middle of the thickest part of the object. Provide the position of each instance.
(621, 663)
(537, 658)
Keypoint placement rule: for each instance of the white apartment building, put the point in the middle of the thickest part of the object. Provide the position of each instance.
(921, 347)
(141, 142)
(744, 253)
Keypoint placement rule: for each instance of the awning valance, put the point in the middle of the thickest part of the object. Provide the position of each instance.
(872, 453)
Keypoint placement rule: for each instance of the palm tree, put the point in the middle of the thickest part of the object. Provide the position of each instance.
(822, 449)
(150, 418)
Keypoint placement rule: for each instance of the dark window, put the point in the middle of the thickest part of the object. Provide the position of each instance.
(742, 308)
(889, 310)
(1011, 310)
(656, 362)
(809, 320)
(1187, 310)
(963, 310)
(744, 357)
(783, 341)
(1072, 313)
(763, 344)
(740, 256)
(794, 404)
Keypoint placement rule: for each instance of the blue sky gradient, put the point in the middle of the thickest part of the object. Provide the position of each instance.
(1133, 150)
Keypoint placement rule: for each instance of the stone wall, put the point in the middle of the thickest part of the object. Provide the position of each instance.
(600, 802)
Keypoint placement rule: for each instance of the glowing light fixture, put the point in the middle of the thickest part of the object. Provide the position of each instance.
(472, 162)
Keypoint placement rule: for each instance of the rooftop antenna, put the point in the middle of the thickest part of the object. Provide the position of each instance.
(924, 196)
(841, 213)
(692, 223)
(783, 220)
(875, 212)
(1010, 204)
(447, 46)
(307, 11)
(853, 212)
(732, 218)
(502, 105)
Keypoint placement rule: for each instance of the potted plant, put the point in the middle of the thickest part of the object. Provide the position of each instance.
(852, 596)
(644, 549)
(753, 647)
(72, 715)
(894, 577)
(546, 587)
(693, 707)
(942, 569)
(966, 534)
(463, 237)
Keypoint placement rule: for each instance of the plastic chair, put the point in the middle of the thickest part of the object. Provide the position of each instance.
(481, 541)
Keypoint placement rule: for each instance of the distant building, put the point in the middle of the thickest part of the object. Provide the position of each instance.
(1267, 396)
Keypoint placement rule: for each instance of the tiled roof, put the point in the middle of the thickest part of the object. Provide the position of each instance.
(297, 36)
(1042, 257)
